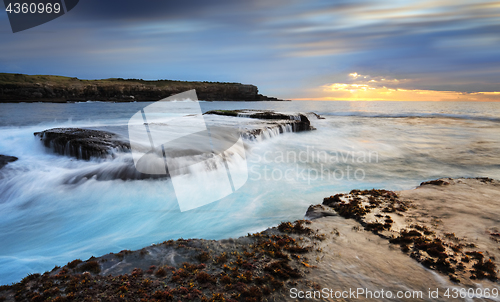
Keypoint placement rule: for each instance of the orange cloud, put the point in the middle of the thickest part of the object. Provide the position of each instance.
(366, 88)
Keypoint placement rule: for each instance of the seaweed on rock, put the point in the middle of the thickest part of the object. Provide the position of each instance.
(254, 268)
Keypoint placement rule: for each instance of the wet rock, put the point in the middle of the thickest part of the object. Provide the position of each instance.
(437, 182)
(4, 160)
(485, 179)
(260, 114)
(319, 117)
(299, 122)
(82, 143)
(318, 211)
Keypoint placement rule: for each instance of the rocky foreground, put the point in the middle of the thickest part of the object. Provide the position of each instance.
(443, 234)
(253, 268)
(58, 89)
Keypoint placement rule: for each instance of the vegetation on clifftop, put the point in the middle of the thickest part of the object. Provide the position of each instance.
(17, 78)
(49, 88)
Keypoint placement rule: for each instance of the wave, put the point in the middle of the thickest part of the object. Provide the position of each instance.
(187, 101)
(91, 102)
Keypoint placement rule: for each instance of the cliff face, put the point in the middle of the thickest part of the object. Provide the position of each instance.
(25, 88)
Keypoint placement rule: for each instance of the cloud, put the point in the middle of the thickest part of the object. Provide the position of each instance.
(358, 80)
(287, 48)
(129, 11)
(359, 87)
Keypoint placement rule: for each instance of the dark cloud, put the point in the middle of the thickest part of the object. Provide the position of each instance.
(113, 11)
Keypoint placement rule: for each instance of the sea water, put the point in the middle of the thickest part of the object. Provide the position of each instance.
(46, 219)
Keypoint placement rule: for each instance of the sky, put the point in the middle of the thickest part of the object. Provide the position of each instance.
(296, 49)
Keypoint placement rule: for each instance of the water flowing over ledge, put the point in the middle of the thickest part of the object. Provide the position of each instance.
(274, 123)
(113, 151)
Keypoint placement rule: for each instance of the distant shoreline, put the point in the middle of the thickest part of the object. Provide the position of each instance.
(18, 88)
(52, 101)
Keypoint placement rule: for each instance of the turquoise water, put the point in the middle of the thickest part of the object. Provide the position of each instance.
(46, 220)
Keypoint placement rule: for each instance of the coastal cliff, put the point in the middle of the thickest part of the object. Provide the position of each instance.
(58, 89)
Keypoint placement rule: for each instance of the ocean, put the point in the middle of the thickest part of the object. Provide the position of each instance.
(46, 219)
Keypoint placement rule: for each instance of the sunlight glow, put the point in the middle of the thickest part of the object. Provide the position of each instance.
(367, 88)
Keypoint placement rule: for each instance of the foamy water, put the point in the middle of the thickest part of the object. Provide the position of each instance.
(46, 219)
